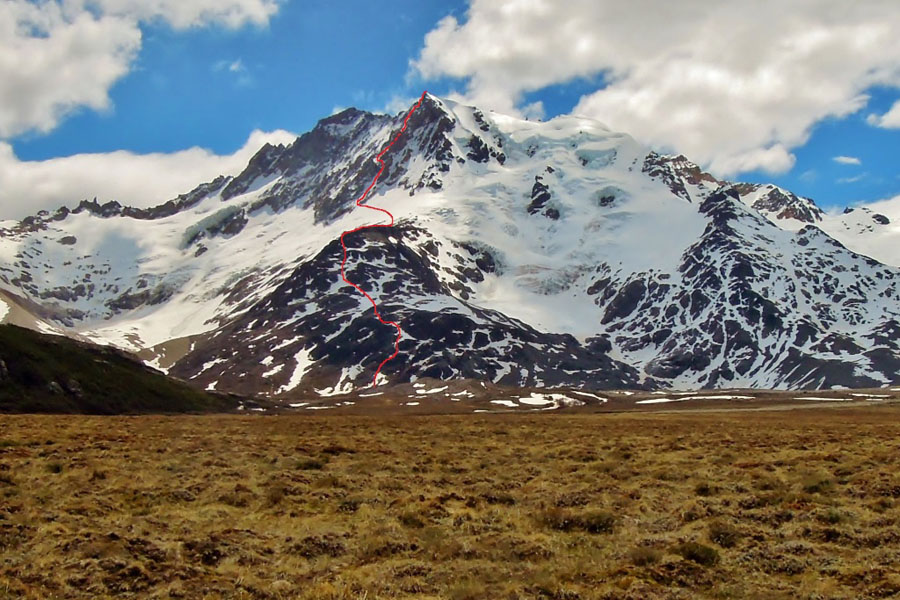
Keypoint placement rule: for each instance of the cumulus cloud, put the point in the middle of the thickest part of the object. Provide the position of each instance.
(57, 56)
(141, 180)
(182, 14)
(889, 120)
(847, 160)
(735, 85)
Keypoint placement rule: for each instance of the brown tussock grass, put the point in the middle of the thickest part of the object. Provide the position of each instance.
(798, 504)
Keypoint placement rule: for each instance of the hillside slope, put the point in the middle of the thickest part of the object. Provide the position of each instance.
(53, 374)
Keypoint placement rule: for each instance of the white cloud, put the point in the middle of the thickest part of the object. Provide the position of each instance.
(57, 56)
(141, 180)
(889, 120)
(399, 103)
(182, 14)
(853, 179)
(735, 85)
(847, 160)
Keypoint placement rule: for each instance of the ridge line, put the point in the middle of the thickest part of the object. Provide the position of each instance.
(379, 159)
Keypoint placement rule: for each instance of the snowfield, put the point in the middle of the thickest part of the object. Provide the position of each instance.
(525, 253)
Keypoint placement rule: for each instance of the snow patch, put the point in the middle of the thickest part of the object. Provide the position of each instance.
(304, 362)
(273, 370)
(508, 403)
(660, 400)
(550, 400)
(821, 399)
(432, 391)
(723, 397)
(589, 395)
(344, 384)
(536, 399)
(209, 365)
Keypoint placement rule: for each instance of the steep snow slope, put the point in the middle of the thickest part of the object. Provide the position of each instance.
(872, 229)
(523, 253)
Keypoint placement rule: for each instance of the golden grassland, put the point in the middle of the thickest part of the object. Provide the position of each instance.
(789, 504)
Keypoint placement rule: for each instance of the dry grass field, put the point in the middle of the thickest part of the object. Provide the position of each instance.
(788, 504)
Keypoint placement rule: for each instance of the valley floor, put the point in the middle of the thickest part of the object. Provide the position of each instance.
(781, 504)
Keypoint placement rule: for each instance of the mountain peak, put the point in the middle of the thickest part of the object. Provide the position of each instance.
(522, 253)
(780, 205)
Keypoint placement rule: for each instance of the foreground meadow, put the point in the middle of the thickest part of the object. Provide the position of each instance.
(782, 504)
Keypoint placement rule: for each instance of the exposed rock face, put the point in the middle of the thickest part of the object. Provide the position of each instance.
(540, 197)
(781, 204)
(521, 253)
(459, 341)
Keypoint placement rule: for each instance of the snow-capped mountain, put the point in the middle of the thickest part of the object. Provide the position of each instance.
(523, 253)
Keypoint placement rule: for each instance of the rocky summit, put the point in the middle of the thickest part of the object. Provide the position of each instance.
(524, 253)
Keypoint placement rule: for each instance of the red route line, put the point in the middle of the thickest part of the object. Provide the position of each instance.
(391, 224)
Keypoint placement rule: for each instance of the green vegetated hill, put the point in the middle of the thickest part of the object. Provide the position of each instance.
(43, 373)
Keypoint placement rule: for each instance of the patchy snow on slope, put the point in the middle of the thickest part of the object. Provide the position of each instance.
(302, 364)
(536, 399)
(550, 400)
(344, 385)
(210, 364)
(431, 391)
(274, 370)
(4, 310)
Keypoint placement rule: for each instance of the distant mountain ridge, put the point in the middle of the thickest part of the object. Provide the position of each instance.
(524, 253)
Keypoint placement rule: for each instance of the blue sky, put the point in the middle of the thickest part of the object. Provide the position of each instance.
(186, 76)
(212, 86)
(833, 184)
